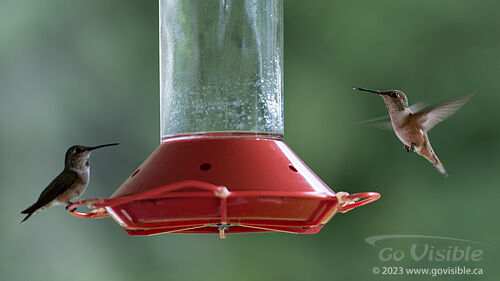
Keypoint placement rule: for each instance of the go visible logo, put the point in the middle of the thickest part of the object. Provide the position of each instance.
(428, 248)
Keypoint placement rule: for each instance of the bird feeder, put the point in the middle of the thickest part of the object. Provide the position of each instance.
(222, 166)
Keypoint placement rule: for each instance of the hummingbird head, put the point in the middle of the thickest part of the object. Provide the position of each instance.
(77, 156)
(394, 100)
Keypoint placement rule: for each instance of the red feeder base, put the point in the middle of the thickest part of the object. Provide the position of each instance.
(222, 185)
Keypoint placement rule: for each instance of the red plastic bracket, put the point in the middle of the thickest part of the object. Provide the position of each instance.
(100, 203)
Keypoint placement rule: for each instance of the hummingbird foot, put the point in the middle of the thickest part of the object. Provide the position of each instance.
(67, 207)
(410, 148)
(343, 198)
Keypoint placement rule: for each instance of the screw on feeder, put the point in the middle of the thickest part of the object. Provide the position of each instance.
(222, 230)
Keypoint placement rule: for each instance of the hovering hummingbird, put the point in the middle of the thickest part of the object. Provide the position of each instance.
(69, 184)
(411, 124)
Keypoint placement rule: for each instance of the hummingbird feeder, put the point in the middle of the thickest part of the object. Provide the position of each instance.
(222, 166)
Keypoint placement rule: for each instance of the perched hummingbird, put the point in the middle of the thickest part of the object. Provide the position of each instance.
(411, 124)
(69, 184)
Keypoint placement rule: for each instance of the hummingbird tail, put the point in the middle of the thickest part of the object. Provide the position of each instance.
(437, 163)
(27, 217)
(30, 210)
(439, 166)
(431, 156)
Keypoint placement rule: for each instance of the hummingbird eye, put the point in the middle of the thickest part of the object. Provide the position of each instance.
(395, 95)
(78, 150)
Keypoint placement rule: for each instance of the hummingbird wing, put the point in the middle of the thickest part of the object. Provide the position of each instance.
(417, 107)
(431, 116)
(383, 122)
(60, 184)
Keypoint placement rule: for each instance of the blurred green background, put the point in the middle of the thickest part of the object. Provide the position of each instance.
(86, 72)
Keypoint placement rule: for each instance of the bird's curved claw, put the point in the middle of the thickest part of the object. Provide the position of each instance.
(67, 207)
(410, 148)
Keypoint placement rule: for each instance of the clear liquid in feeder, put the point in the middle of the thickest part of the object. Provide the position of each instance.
(221, 68)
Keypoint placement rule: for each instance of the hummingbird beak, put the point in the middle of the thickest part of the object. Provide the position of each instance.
(371, 91)
(99, 146)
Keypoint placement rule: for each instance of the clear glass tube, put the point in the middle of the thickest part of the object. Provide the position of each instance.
(221, 64)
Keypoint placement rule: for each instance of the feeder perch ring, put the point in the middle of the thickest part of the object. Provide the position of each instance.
(348, 201)
(342, 202)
